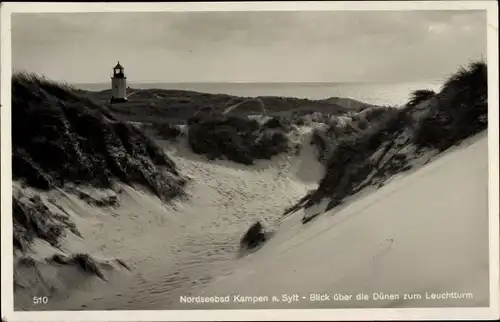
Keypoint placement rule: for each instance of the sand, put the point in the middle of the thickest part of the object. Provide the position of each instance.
(424, 231)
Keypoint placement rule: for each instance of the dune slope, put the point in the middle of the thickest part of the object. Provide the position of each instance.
(424, 232)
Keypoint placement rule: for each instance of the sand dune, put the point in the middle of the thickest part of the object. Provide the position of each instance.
(175, 248)
(423, 232)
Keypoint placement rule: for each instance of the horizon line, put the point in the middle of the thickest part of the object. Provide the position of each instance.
(265, 82)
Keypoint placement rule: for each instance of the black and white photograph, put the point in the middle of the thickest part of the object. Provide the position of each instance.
(248, 160)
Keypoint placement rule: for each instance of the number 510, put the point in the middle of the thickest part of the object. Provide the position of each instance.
(40, 300)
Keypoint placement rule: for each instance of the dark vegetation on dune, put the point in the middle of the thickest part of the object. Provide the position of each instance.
(61, 137)
(84, 261)
(279, 123)
(458, 111)
(33, 219)
(351, 160)
(238, 139)
(27, 268)
(339, 130)
(359, 153)
(255, 236)
(242, 139)
(167, 131)
(419, 96)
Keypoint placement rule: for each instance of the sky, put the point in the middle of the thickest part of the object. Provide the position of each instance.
(300, 46)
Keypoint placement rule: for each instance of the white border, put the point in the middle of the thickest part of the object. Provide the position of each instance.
(254, 315)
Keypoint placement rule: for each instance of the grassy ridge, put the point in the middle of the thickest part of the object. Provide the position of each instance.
(61, 137)
(357, 156)
(458, 111)
(177, 106)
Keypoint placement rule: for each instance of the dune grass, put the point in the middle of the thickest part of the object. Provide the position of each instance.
(61, 137)
(355, 155)
(32, 219)
(349, 160)
(459, 110)
(85, 262)
(419, 96)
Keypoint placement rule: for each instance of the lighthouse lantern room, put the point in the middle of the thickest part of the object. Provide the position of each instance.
(118, 85)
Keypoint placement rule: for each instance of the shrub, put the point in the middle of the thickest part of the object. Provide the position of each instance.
(278, 122)
(255, 236)
(270, 143)
(238, 139)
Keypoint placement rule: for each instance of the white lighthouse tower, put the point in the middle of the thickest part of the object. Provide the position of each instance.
(118, 85)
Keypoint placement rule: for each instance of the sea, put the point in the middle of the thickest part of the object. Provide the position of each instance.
(385, 94)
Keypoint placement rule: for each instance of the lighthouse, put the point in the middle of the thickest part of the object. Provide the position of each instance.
(118, 85)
